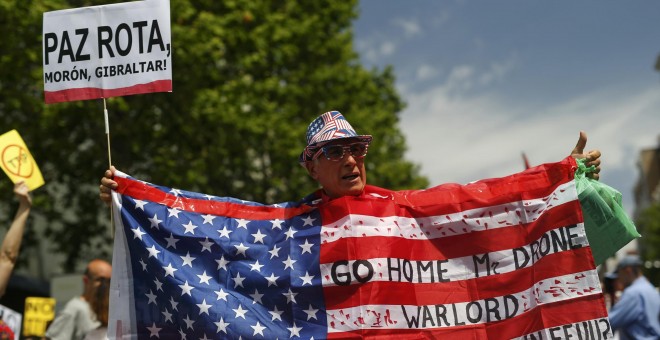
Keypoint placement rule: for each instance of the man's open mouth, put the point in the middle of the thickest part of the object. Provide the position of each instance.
(351, 176)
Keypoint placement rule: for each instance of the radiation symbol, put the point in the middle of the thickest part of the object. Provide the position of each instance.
(17, 161)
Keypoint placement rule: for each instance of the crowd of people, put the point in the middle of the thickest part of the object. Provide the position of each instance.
(83, 317)
(334, 157)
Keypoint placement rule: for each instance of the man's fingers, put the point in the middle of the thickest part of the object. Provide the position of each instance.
(593, 154)
(581, 143)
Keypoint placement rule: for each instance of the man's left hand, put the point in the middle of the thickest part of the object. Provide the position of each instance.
(593, 156)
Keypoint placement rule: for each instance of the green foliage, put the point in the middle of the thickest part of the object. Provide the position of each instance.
(249, 76)
(649, 225)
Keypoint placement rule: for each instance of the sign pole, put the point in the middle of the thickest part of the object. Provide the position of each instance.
(107, 134)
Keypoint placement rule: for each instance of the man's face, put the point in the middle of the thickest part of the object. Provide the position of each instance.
(343, 177)
(626, 276)
(97, 271)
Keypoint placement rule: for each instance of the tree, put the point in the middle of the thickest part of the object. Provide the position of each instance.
(648, 223)
(248, 78)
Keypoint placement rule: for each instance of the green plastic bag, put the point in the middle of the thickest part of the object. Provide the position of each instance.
(607, 225)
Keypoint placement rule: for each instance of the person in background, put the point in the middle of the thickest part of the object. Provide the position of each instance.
(100, 306)
(77, 318)
(11, 244)
(635, 315)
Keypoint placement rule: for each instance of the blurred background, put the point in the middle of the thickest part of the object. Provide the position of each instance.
(452, 91)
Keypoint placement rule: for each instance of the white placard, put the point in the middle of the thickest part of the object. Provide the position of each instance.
(107, 51)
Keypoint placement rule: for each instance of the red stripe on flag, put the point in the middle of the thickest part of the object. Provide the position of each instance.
(405, 293)
(359, 248)
(87, 93)
(142, 191)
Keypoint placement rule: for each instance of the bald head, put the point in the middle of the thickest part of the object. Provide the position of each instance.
(97, 271)
(98, 268)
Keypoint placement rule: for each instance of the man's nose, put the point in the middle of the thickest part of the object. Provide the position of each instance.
(349, 159)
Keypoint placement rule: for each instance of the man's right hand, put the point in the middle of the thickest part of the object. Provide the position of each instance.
(107, 185)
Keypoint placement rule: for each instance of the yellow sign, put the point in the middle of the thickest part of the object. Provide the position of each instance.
(38, 312)
(17, 162)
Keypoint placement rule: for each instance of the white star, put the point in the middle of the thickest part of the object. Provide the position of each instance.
(169, 270)
(306, 247)
(240, 249)
(152, 298)
(204, 308)
(153, 252)
(186, 288)
(171, 241)
(155, 221)
(208, 197)
(222, 263)
(256, 266)
(222, 295)
(168, 316)
(138, 233)
(144, 265)
(174, 304)
(206, 244)
(205, 338)
(295, 331)
(311, 313)
(289, 233)
(224, 232)
(272, 280)
(289, 262)
(238, 280)
(159, 285)
(208, 219)
(240, 312)
(139, 204)
(307, 278)
(190, 322)
(275, 252)
(242, 223)
(222, 325)
(190, 228)
(258, 329)
(256, 297)
(308, 220)
(183, 335)
(204, 278)
(173, 212)
(153, 330)
(187, 260)
(290, 296)
(277, 314)
(176, 192)
(277, 223)
(259, 237)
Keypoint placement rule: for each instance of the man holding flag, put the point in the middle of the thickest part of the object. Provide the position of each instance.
(500, 258)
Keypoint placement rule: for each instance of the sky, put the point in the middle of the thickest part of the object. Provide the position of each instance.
(484, 82)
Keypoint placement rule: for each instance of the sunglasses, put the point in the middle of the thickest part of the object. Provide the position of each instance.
(336, 152)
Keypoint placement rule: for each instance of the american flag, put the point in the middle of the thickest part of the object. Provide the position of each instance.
(499, 259)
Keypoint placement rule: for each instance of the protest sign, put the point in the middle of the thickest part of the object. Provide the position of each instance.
(107, 51)
(38, 311)
(17, 162)
(500, 258)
